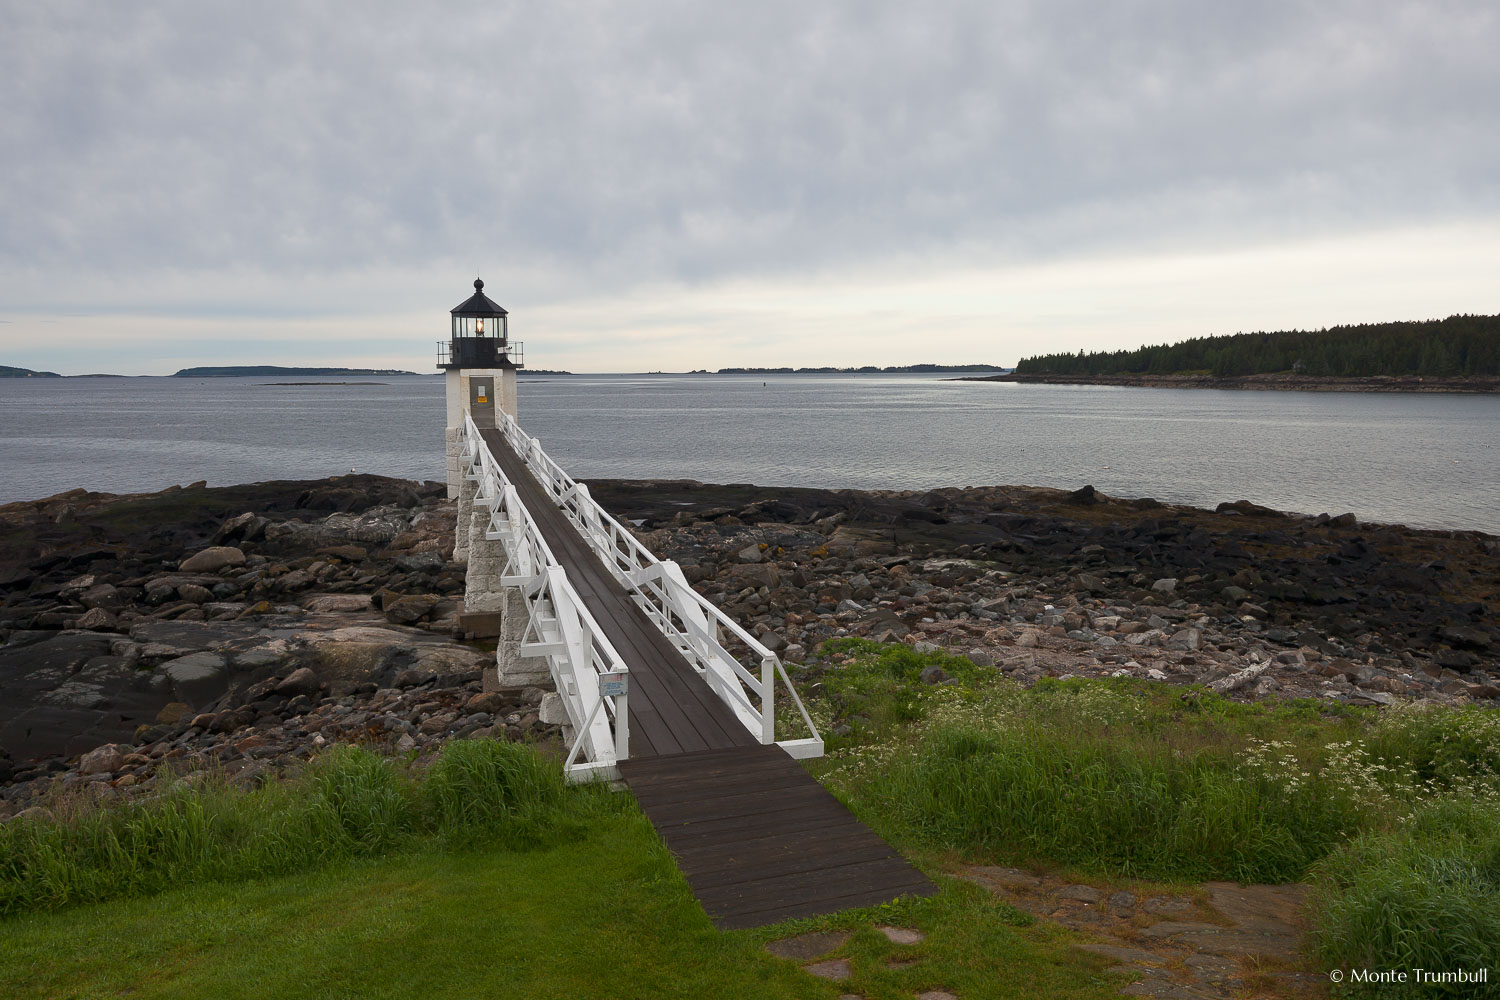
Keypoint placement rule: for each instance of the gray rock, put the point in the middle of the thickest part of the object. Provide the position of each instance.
(1187, 639)
(981, 658)
(810, 945)
(169, 639)
(103, 760)
(1455, 659)
(53, 660)
(244, 527)
(300, 681)
(421, 562)
(552, 712)
(750, 554)
(195, 594)
(410, 609)
(751, 575)
(198, 678)
(271, 654)
(213, 559)
(102, 596)
(412, 677)
(1166, 585)
(486, 702)
(98, 618)
(1080, 893)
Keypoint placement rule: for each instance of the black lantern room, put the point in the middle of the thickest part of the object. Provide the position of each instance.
(481, 337)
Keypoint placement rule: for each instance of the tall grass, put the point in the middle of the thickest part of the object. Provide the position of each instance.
(1426, 896)
(1108, 802)
(1394, 814)
(349, 803)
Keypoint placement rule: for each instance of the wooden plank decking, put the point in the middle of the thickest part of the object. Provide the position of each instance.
(758, 839)
(672, 710)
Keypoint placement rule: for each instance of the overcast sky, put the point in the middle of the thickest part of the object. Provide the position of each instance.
(656, 185)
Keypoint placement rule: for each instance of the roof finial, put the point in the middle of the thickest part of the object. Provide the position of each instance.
(478, 285)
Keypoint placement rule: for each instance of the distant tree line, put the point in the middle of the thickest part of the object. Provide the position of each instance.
(865, 370)
(1458, 345)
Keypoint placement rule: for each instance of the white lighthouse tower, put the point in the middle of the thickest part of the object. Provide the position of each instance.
(481, 363)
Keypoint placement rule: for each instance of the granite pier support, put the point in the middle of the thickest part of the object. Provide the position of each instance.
(466, 490)
(514, 669)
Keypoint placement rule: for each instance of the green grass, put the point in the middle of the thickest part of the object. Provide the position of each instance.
(1393, 814)
(1116, 777)
(350, 803)
(606, 914)
(1426, 896)
(487, 875)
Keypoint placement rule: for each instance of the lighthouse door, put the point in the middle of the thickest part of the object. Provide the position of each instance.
(482, 400)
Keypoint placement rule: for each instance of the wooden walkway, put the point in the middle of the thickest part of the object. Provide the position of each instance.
(758, 839)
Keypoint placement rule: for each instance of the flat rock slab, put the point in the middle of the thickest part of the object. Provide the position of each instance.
(1004, 876)
(836, 969)
(182, 638)
(1121, 953)
(198, 678)
(902, 935)
(338, 603)
(65, 694)
(805, 946)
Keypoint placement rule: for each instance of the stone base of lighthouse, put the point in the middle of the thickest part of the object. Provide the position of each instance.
(457, 391)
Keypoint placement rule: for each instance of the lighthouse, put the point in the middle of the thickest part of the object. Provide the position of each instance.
(481, 361)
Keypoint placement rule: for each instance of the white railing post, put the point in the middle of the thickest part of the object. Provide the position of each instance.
(622, 726)
(689, 621)
(768, 699)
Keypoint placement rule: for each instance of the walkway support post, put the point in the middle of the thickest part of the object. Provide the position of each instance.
(466, 490)
(514, 669)
(482, 588)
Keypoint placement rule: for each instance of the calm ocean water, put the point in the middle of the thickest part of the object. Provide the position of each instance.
(1429, 460)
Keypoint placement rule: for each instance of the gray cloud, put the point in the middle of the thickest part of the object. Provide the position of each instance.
(611, 144)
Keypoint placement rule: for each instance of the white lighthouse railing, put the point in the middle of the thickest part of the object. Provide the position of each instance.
(693, 623)
(588, 672)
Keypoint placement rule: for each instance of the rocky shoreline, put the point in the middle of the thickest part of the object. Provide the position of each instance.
(154, 637)
(1278, 381)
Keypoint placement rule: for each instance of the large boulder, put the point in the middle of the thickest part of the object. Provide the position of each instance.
(103, 596)
(213, 559)
(103, 760)
(300, 681)
(243, 527)
(407, 610)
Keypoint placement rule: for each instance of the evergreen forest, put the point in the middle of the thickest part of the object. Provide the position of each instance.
(1458, 345)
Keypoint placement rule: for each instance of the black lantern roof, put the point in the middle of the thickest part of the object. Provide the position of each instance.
(479, 304)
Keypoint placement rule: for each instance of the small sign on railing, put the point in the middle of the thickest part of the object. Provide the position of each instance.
(613, 685)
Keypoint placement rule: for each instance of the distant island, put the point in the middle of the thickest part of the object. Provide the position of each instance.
(866, 370)
(1457, 354)
(233, 370)
(6, 371)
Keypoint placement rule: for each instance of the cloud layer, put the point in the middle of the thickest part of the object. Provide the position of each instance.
(312, 162)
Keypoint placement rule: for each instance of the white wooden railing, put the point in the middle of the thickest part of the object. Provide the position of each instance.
(588, 672)
(694, 624)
